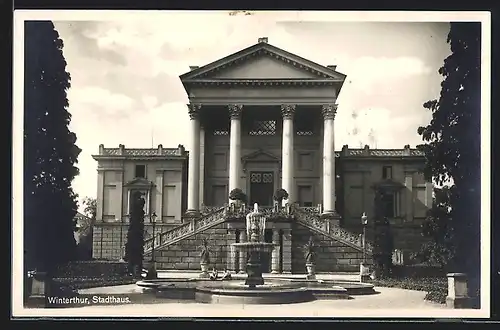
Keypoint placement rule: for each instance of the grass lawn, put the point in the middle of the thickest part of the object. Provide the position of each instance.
(77, 283)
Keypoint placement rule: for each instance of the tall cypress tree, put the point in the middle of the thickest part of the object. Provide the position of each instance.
(50, 152)
(453, 146)
(134, 248)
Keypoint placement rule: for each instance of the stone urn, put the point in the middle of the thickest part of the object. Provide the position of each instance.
(364, 272)
(204, 259)
(310, 254)
(311, 271)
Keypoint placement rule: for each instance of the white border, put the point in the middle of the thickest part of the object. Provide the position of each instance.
(350, 16)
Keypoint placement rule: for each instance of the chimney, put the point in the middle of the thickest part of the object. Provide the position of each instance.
(122, 149)
(345, 150)
(263, 40)
(366, 150)
(332, 67)
(193, 67)
(101, 149)
(407, 150)
(180, 150)
(160, 150)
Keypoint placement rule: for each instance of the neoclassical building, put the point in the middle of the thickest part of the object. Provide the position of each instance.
(260, 119)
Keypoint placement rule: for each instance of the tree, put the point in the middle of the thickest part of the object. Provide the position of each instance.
(438, 228)
(452, 143)
(383, 243)
(134, 248)
(87, 229)
(50, 152)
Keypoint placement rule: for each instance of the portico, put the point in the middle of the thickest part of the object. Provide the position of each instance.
(268, 119)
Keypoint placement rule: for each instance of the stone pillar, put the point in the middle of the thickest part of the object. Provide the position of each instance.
(194, 161)
(202, 165)
(329, 111)
(235, 146)
(287, 251)
(242, 255)
(231, 257)
(159, 197)
(409, 196)
(457, 291)
(100, 195)
(275, 255)
(287, 170)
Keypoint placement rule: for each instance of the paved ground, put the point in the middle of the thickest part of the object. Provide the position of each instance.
(388, 302)
(391, 300)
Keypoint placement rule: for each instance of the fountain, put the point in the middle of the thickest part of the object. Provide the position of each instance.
(256, 224)
(253, 290)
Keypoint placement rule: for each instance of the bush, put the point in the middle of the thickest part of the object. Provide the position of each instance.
(238, 195)
(92, 269)
(436, 288)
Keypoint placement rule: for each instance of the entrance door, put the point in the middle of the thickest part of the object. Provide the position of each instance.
(261, 188)
(265, 257)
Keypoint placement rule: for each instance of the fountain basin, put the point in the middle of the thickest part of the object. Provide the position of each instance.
(274, 291)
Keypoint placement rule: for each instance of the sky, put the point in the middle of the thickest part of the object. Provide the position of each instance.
(125, 86)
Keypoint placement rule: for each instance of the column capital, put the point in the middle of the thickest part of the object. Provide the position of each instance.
(329, 111)
(288, 110)
(193, 110)
(235, 110)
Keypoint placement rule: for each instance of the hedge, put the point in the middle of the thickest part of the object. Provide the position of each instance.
(436, 288)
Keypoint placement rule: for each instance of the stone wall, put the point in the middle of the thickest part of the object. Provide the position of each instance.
(185, 255)
(106, 242)
(332, 256)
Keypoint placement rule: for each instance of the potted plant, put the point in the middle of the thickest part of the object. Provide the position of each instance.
(238, 196)
(280, 195)
(204, 258)
(310, 254)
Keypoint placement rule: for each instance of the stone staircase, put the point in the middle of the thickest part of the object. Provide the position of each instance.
(212, 216)
(310, 218)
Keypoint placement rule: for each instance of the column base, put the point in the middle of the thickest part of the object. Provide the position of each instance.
(332, 216)
(275, 272)
(191, 214)
(241, 272)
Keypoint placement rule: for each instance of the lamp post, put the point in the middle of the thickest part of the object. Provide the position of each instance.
(364, 222)
(363, 268)
(152, 218)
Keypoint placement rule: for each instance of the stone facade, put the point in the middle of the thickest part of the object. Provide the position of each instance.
(261, 119)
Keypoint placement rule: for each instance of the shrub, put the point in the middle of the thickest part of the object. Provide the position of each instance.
(134, 248)
(238, 195)
(280, 195)
(436, 288)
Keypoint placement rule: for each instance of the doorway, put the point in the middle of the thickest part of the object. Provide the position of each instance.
(265, 258)
(261, 188)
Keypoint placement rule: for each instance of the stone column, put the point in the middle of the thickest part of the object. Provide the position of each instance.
(409, 196)
(202, 165)
(159, 197)
(287, 251)
(287, 170)
(329, 111)
(242, 255)
(275, 256)
(194, 161)
(235, 146)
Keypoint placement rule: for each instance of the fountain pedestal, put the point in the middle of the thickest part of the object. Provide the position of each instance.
(254, 270)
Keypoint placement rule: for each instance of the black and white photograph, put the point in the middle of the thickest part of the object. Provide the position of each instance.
(243, 164)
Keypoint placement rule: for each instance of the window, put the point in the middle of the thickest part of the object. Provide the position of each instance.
(305, 196)
(140, 171)
(387, 172)
(391, 204)
(263, 128)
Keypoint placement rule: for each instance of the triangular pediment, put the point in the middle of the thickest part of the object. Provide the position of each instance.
(140, 183)
(260, 156)
(259, 62)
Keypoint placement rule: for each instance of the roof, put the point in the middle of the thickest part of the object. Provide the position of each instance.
(360, 153)
(320, 74)
(159, 152)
